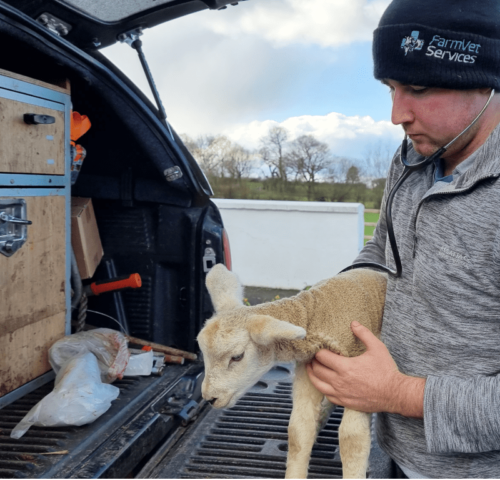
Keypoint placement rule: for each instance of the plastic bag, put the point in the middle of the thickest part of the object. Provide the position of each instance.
(79, 397)
(140, 364)
(109, 347)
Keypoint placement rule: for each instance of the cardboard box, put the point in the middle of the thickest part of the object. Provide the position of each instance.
(85, 236)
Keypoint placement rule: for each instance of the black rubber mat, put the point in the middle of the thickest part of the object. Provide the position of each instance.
(250, 439)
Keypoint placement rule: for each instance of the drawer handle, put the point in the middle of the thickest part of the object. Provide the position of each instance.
(35, 119)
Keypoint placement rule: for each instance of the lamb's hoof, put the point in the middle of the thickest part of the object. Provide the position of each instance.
(361, 474)
(295, 473)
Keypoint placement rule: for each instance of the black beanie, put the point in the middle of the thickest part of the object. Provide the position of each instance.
(439, 43)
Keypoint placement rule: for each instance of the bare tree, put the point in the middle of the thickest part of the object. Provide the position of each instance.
(308, 158)
(210, 152)
(220, 148)
(188, 142)
(272, 151)
(378, 159)
(239, 162)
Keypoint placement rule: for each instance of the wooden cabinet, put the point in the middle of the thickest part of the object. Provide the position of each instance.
(28, 148)
(34, 280)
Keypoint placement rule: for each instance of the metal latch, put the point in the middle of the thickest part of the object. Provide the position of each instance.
(13, 225)
(189, 412)
(209, 259)
(186, 413)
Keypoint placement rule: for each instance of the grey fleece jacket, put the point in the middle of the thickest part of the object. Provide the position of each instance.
(442, 317)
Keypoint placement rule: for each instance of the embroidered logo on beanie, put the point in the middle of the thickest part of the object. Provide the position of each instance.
(412, 42)
(453, 50)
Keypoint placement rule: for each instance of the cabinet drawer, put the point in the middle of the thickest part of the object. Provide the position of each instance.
(34, 149)
(32, 294)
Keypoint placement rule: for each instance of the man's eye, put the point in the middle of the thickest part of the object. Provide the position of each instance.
(237, 358)
(418, 90)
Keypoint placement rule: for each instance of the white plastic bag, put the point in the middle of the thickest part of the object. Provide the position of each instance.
(79, 397)
(140, 364)
(109, 346)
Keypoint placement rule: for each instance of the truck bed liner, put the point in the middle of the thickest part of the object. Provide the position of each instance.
(108, 448)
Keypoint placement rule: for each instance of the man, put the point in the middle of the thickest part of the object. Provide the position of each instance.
(435, 379)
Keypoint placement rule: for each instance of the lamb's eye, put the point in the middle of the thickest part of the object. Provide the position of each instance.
(237, 358)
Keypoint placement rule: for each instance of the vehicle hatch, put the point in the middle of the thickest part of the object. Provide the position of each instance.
(94, 24)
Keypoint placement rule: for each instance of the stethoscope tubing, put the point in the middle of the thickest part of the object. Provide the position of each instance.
(408, 169)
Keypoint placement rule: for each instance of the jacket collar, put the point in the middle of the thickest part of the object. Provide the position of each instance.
(486, 164)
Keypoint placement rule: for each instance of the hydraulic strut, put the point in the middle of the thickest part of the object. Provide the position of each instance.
(132, 39)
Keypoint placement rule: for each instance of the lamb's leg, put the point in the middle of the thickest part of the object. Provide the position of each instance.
(303, 426)
(354, 441)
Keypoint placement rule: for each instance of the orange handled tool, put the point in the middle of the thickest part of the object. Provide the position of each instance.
(114, 284)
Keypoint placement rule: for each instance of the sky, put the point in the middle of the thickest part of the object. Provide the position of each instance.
(305, 65)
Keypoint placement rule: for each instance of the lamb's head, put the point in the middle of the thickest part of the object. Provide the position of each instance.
(237, 343)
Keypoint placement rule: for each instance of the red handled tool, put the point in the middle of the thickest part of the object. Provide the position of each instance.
(114, 284)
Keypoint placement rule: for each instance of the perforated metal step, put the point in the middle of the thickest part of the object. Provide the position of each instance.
(250, 439)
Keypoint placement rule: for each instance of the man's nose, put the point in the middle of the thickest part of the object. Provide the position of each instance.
(401, 109)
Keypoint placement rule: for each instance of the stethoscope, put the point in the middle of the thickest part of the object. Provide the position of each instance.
(409, 168)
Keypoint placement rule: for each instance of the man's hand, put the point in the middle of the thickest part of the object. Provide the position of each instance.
(368, 383)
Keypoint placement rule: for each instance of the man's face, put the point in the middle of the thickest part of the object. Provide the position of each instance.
(432, 117)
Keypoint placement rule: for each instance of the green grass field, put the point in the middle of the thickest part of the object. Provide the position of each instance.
(272, 189)
(371, 218)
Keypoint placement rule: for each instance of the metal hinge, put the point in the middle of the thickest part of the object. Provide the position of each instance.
(130, 36)
(54, 24)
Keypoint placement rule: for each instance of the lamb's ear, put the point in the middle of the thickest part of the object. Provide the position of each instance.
(264, 330)
(224, 287)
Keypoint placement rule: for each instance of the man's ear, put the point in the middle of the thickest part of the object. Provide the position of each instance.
(224, 287)
(265, 330)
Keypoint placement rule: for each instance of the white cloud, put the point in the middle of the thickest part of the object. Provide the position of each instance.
(206, 80)
(346, 136)
(218, 71)
(327, 23)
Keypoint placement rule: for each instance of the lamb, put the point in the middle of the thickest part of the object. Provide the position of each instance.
(242, 343)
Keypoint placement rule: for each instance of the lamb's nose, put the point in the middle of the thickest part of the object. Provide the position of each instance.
(212, 401)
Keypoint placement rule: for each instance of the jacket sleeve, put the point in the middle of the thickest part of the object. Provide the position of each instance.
(462, 415)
